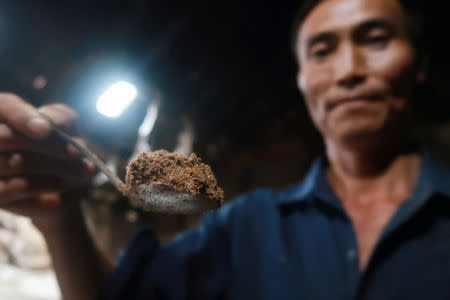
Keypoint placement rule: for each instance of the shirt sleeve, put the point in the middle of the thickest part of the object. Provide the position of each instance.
(194, 266)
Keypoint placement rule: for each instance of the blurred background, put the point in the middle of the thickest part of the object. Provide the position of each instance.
(215, 77)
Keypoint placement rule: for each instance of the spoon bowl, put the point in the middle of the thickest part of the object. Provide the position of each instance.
(163, 198)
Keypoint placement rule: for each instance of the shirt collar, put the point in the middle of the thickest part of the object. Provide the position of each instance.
(434, 178)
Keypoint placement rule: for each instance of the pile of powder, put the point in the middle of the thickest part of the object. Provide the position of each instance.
(183, 174)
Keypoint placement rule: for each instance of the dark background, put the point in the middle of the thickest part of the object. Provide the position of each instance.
(226, 65)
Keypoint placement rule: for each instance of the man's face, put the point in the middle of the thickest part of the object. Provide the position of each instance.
(357, 68)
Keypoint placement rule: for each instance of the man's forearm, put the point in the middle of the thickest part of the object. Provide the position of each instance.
(79, 268)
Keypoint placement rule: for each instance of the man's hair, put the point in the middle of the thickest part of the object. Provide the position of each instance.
(415, 22)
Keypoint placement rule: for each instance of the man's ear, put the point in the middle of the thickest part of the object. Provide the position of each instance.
(300, 80)
(422, 69)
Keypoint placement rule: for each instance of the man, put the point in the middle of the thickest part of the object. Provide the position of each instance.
(370, 220)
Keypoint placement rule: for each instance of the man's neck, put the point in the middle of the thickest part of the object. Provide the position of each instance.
(380, 172)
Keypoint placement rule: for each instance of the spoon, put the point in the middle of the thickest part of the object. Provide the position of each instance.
(153, 197)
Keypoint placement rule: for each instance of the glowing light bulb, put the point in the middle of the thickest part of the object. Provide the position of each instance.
(115, 100)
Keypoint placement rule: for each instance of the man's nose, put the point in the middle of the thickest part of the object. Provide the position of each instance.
(350, 68)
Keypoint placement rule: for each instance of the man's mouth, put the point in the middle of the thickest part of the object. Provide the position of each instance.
(353, 100)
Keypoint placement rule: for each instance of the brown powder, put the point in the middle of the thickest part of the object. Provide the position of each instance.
(183, 174)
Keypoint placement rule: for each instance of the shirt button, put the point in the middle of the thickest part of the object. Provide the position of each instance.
(351, 254)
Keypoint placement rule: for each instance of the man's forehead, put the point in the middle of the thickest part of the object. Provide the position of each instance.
(332, 15)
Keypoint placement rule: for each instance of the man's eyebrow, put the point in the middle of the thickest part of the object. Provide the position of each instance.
(375, 23)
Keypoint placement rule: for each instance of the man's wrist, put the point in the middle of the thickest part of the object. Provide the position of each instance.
(64, 221)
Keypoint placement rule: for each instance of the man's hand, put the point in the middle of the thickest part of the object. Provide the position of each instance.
(35, 166)
(33, 161)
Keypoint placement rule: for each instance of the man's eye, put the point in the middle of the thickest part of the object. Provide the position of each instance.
(378, 41)
(320, 53)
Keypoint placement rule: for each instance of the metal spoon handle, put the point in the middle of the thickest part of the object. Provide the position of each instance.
(119, 184)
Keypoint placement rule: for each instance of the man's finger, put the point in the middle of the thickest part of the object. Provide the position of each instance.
(54, 145)
(62, 116)
(20, 164)
(22, 187)
(73, 151)
(22, 116)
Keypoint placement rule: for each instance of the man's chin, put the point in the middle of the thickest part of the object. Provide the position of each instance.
(361, 137)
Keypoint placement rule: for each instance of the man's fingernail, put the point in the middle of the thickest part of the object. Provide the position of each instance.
(73, 151)
(89, 165)
(39, 126)
(5, 132)
(16, 184)
(15, 161)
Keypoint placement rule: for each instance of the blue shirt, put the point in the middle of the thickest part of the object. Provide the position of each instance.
(297, 244)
